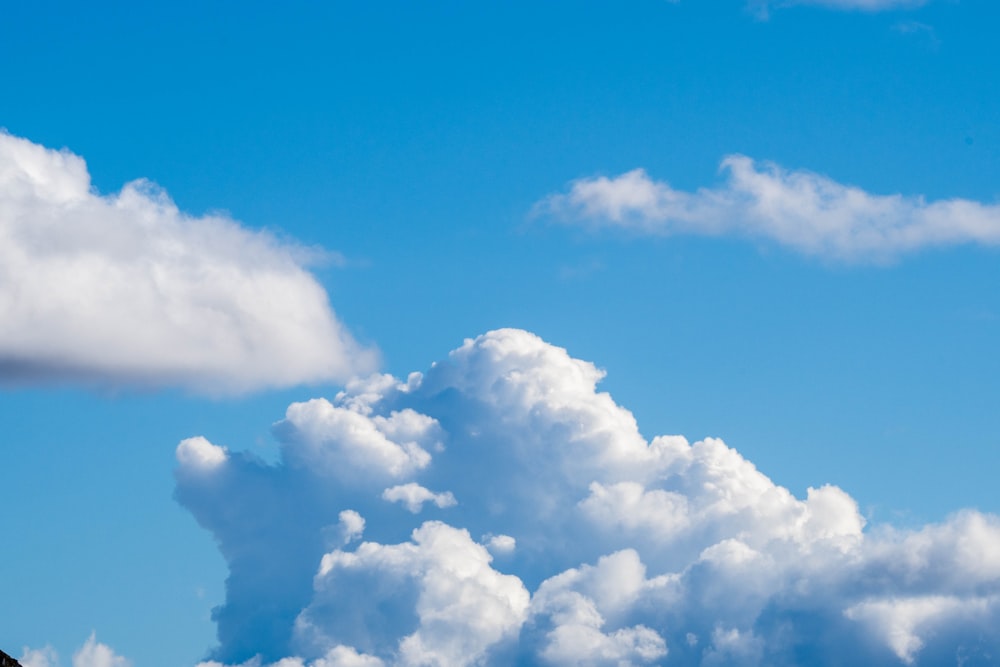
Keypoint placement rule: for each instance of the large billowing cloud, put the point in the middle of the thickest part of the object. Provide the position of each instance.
(564, 538)
(806, 212)
(126, 288)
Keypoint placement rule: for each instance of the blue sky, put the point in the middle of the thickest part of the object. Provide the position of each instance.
(435, 172)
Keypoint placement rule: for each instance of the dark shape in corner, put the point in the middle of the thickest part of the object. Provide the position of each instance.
(7, 661)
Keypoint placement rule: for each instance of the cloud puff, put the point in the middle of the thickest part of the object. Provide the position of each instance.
(92, 654)
(352, 526)
(628, 551)
(341, 441)
(500, 544)
(413, 496)
(151, 295)
(435, 597)
(806, 212)
(41, 657)
(199, 454)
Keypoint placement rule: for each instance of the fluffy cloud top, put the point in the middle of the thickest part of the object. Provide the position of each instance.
(92, 654)
(806, 212)
(597, 546)
(152, 296)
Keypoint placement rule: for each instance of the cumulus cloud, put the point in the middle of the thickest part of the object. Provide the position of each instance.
(806, 212)
(153, 296)
(629, 551)
(413, 496)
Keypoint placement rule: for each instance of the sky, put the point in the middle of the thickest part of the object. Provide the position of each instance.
(519, 333)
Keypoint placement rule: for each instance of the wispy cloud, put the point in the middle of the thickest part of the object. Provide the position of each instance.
(865, 5)
(922, 30)
(763, 6)
(610, 549)
(802, 210)
(127, 289)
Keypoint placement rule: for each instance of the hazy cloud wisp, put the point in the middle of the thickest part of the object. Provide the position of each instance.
(762, 7)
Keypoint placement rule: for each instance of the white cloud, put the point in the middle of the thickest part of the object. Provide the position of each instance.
(413, 496)
(500, 544)
(42, 657)
(95, 654)
(462, 606)
(352, 526)
(338, 656)
(731, 648)
(580, 642)
(806, 212)
(345, 441)
(345, 656)
(901, 622)
(197, 453)
(576, 604)
(152, 296)
(91, 654)
(634, 551)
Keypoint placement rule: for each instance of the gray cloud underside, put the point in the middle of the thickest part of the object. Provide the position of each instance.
(806, 212)
(127, 289)
(567, 537)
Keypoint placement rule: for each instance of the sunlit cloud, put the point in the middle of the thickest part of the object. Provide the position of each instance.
(126, 289)
(803, 211)
(541, 527)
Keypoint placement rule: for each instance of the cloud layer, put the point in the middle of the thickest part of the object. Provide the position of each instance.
(126, 288)
(806, 212)
(567, 538)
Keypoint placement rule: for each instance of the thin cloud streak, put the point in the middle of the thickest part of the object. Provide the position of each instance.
(763, 7)
(801, 210)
